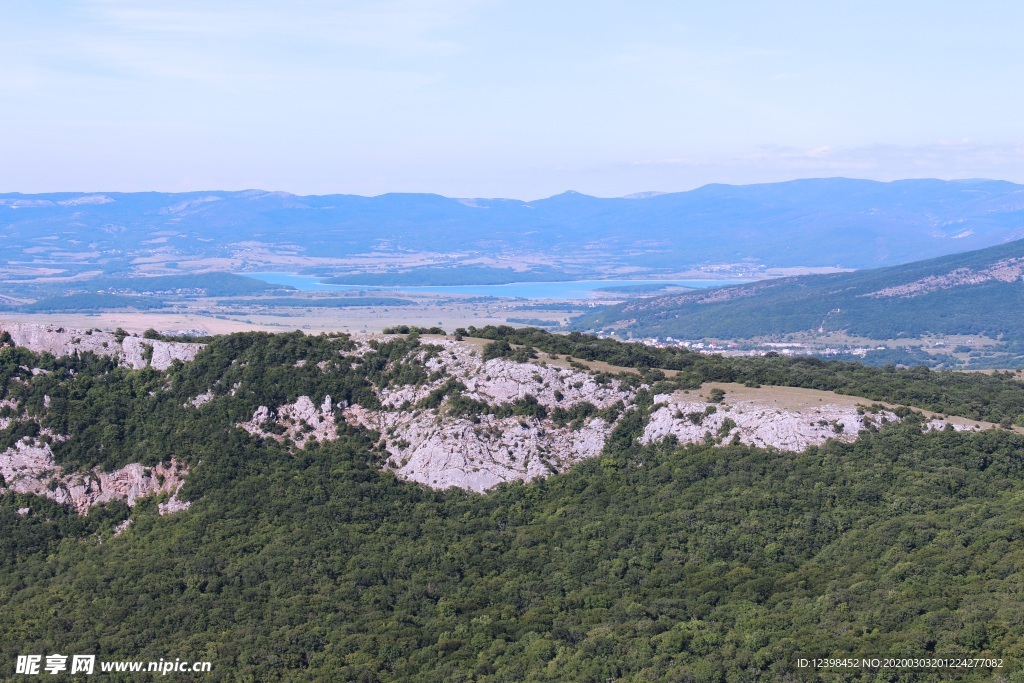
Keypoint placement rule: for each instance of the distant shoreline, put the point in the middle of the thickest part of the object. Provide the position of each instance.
(566, 289)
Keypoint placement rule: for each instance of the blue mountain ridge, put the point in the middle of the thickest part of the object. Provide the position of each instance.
(815, 222)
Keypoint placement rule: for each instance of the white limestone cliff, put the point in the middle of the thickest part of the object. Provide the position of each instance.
(28, 467)
(133, 352)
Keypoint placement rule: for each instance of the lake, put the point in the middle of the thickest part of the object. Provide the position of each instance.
(576, 289)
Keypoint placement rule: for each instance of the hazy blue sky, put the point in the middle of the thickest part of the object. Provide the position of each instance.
(500, 98)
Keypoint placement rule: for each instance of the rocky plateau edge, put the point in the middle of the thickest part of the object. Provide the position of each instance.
(440, 447)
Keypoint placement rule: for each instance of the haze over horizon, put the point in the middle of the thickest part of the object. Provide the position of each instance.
(488, 98)
(570, 191)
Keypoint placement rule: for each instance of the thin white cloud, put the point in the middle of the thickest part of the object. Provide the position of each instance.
(401, 25)
(232, 43)
(882, 161)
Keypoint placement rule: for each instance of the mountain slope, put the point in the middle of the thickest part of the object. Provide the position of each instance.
(978, 292)
(292, 556)
(817, 222)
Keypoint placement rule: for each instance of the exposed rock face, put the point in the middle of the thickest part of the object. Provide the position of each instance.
(938, 424)
(133, 351)
(1007, 270)
(11, 406)
(500, 380)
(431, 433)
(430, 443)
(173, 505)
(201, 399)
(436, 448)
(300, 421)
(454, 451)
(163, 353)
(754, 423)
(28, 467)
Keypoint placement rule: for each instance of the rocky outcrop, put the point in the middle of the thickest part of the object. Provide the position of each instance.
(28, 467)
(7, 406)
(173, 505)
(300, 421)
(432, 446)
(752, 424)
(139, 353)
(759, 423)
(477, 454)
(1007, 270)
(460, 422)
(499, 380)
(424, 438)
(201, 399)
(133, 352)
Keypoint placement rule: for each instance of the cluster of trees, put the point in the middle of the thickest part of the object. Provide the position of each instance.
(502, 349)
(206, 284)
(413, 329)
(92, 301)
(647, 563)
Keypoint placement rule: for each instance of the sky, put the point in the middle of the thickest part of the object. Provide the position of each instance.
(494, 98)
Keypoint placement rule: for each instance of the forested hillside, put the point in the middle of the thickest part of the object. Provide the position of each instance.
(979, 292)
(658, 562)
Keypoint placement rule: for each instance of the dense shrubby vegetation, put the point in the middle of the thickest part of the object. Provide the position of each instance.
(118, 415)
(210, 284)
(407, 329)
(648, 563)
(92, 301)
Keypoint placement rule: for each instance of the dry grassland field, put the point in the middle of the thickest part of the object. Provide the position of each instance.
(216, 319)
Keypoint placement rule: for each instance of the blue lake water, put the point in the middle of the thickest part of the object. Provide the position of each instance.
(577, 289)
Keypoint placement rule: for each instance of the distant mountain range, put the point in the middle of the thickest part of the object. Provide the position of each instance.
(822, 222)
(975, 293)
